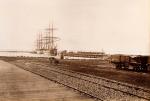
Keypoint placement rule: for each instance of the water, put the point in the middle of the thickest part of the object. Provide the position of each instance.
(26, 54)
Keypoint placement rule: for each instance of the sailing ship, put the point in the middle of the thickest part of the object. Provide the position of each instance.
(46, 41)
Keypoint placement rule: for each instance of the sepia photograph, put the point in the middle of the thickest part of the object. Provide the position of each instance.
(74, 50)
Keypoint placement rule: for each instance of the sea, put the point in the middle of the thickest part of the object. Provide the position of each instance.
(25, 54)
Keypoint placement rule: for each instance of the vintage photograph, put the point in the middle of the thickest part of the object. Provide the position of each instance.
(74, 50)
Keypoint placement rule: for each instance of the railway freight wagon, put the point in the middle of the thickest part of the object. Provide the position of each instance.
(136, 63)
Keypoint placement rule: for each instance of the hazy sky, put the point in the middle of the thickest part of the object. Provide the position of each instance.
(116, 26)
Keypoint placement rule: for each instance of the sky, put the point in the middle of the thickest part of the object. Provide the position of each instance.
(114, 26)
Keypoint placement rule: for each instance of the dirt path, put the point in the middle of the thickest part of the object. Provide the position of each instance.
(19, 85)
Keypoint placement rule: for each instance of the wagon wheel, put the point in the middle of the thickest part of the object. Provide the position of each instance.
(118, 66)
(134, 68)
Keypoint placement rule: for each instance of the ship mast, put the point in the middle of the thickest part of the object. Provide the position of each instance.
(51, 36)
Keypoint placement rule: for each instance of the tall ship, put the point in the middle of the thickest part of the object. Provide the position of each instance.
(46, 41)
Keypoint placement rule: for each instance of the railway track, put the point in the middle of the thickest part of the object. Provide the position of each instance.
(97, 87)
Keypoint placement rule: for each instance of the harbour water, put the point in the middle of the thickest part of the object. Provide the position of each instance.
(26, 54)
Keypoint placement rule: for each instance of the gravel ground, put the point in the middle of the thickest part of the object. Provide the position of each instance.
(102, 69)
(96, 86)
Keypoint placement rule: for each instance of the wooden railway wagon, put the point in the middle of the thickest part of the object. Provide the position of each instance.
(136, 63)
